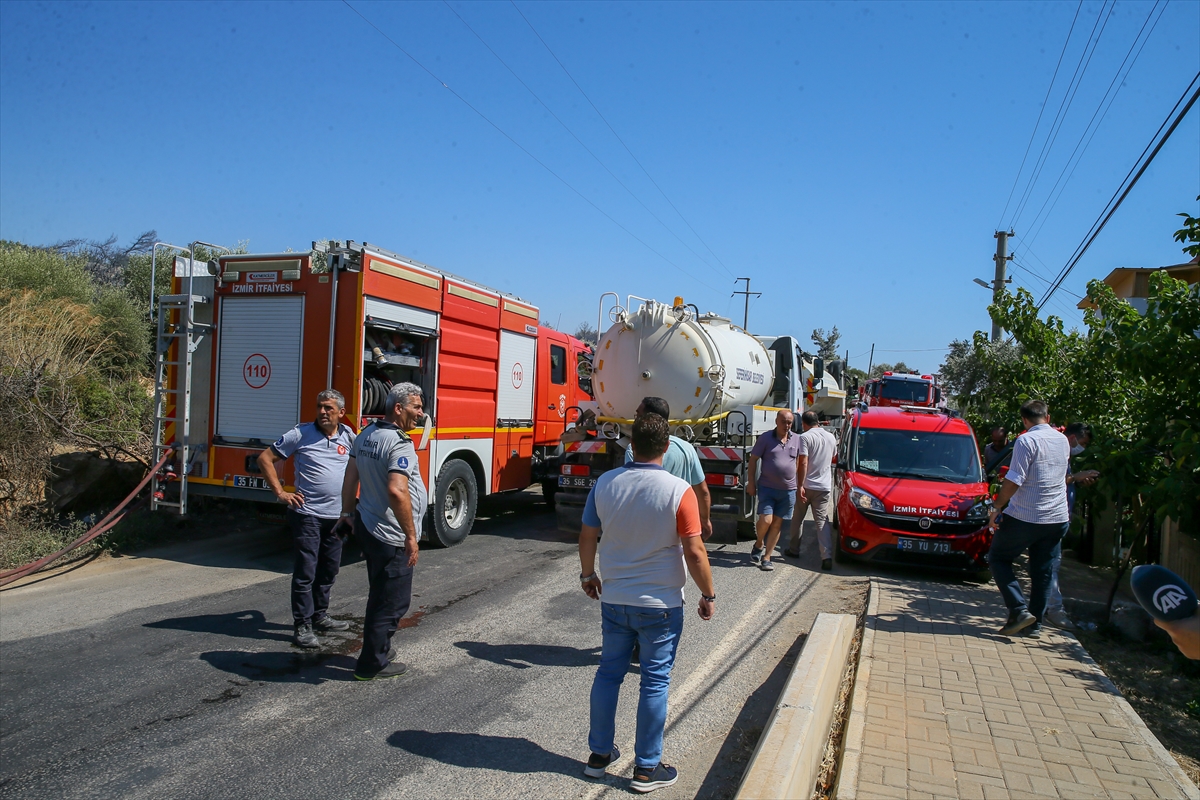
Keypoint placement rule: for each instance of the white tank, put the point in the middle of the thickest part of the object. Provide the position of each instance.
(701, 367)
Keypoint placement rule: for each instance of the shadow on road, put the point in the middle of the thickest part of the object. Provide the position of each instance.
(282, 667)
(240, 624)
(477, 751)
(524, 656)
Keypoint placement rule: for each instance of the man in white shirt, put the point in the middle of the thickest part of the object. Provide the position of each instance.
(1034, 501)
(817, 446)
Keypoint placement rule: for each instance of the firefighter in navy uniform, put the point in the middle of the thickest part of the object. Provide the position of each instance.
(387, 523)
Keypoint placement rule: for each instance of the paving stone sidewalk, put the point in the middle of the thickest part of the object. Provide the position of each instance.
(945, 707)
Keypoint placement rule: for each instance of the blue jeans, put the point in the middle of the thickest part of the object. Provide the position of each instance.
(318, 557)
(776, 502)
(657, 631)
(1043, 541)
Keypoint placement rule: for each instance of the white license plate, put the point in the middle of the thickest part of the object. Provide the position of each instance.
(574, 482)
(249, 482)
(924, 545)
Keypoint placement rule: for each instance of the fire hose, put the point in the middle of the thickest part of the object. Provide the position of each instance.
(103, 526)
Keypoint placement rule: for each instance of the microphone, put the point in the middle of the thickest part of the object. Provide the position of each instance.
(1163, 594)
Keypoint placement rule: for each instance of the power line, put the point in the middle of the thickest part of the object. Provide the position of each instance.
(1100, 223)
(574, 136)
(1042, 110)
(520, 147)
(1118, 81)
(619, 139)
(1085, 60)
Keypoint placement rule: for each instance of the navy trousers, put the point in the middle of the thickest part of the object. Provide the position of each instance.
(1042, 541)
(388, 600)
(318, 552)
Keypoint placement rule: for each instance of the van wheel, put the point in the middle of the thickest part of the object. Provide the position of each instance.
(455, 501)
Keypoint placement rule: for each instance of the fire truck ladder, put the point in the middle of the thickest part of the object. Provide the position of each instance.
(186, 334)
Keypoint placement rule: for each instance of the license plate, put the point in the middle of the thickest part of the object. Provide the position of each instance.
(249, 482)
(573, 482)
(924, 545)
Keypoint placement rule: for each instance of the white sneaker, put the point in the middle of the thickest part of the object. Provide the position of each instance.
(1059, 619)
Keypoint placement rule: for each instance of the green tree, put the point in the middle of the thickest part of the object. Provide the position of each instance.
(827, 343)
(1190, 233)
(882, 367)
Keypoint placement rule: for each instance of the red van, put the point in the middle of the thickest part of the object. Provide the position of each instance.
(910, 489)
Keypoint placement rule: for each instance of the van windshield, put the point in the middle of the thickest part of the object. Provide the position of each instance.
(948, 457)
(905, 391)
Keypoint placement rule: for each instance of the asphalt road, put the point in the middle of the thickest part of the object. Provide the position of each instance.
(172, 674)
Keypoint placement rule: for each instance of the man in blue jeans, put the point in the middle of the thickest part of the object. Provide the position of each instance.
(1033, 500)
(651, 525)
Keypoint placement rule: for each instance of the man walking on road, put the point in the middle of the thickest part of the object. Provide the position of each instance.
(817, 446)
(1033, 500)
(651, 528)
(778, 450)
(387, 523)
(681, 461)
(321, 450)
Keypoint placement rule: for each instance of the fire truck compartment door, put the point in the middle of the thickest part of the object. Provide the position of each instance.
(515, 391)
(258, 378)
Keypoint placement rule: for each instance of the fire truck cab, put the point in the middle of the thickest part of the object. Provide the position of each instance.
(282, 327)
(897, 389)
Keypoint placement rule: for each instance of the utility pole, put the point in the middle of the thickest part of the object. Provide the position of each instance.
(871, 363)
(747, 292)
(1001, 258)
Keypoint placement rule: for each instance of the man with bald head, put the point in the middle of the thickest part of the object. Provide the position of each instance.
(777, 449)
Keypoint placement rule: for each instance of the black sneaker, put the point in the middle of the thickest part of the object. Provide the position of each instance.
(766, 566)
(827, 564)
(328, 623)
(756, 554)
(791, 553)
(392, 670)
(305, 637)
(646, 779)
(1017, 622)
(1033, 632)
(597, 766)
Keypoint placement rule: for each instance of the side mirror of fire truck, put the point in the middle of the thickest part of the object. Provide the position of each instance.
(818, 368)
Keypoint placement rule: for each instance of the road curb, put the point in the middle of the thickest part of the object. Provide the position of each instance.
(789, 753)
(847, 783)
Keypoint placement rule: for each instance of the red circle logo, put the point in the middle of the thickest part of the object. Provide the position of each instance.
(256, 371)
(341, 449)
(518, 375)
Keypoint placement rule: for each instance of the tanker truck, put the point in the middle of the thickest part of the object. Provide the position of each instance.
(724, 386)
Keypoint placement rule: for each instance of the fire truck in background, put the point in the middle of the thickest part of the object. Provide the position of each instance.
(897, 389)
(245, 343)
(724, 387)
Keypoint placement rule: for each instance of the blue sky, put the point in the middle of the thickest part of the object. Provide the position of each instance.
(853, 159)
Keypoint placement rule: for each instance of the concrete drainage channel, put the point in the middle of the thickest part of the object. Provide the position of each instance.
(801, 742)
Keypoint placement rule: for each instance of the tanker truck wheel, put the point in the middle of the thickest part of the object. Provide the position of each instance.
(455, 502)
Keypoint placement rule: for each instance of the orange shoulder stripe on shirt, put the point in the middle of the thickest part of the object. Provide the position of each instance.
(687, 516)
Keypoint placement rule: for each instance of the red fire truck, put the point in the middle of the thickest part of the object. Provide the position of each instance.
(247, 341)
(897, 389)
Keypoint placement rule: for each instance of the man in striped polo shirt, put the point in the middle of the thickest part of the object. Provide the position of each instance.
(651, 541)
(1034, 501)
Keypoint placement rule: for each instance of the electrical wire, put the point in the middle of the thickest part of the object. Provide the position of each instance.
(576, 138)
(1119, 196)
(1041, 110)
(521, 147)
(1085, 60)
(1118, 81)
(619, 139)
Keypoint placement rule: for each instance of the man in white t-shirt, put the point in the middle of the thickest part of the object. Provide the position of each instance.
(817, 446)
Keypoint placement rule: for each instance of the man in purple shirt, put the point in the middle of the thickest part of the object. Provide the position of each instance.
(775, 488)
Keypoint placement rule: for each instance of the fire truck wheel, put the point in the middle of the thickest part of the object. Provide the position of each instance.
(549, 489)
(454, 503)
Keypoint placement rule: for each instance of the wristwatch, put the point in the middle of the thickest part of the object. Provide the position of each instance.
(711, 599)
(586, 578)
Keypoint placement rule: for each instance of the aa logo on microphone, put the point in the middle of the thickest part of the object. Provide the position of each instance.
(1169, 597)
